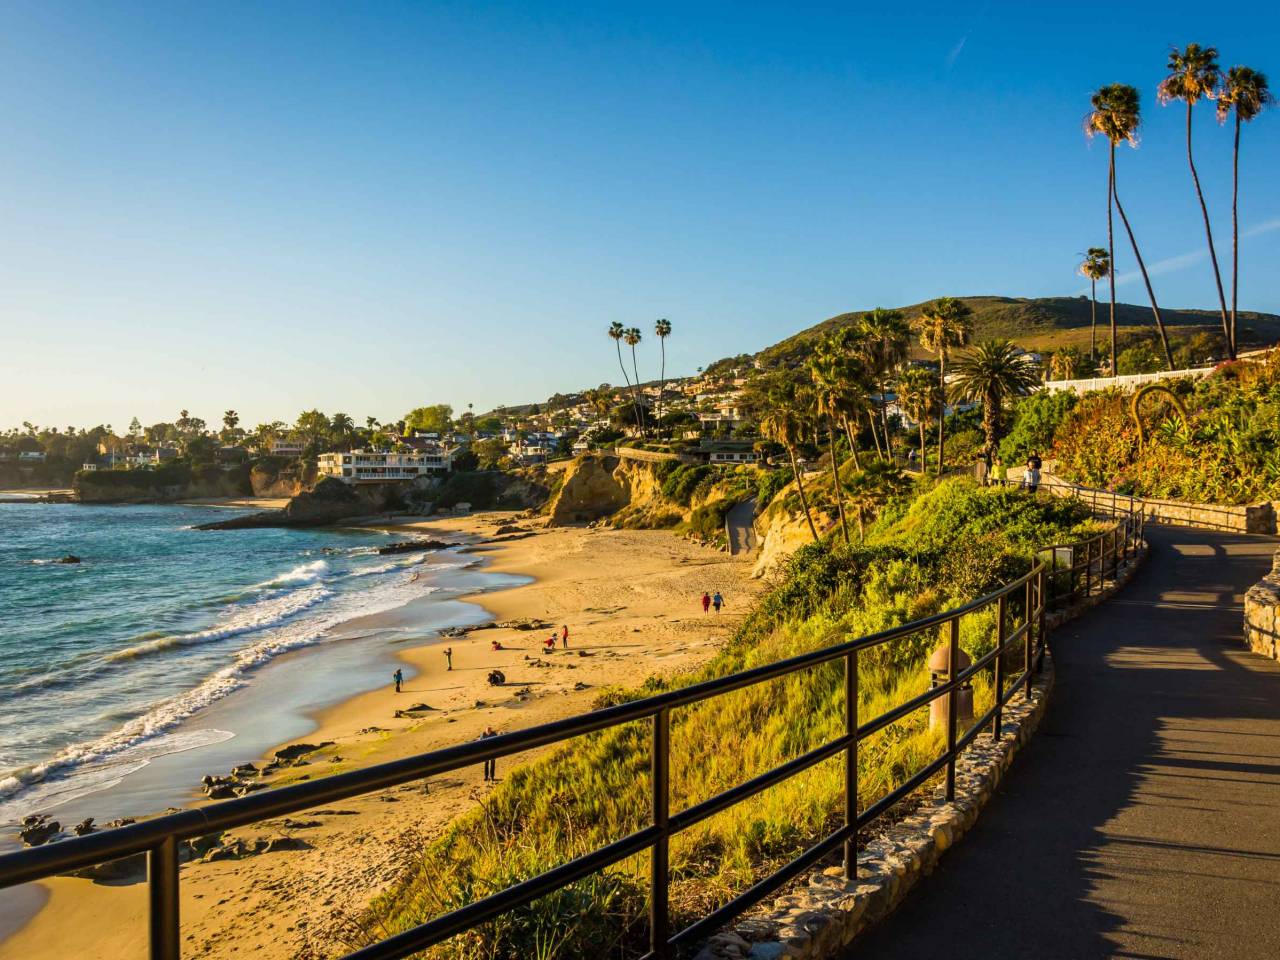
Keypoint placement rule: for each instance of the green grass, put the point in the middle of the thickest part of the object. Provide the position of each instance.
(953, 542)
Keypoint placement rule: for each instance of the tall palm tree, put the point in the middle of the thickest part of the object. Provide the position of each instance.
(1116, 115)
(828, 389)
(989, 373)
(943, 324)
(885, 336)
(633, 336)
(785, 422)
(919, 396)
(1194, 73)
(1096, 266)
(342, 426)
(617, 333)
(662, 329)
(849, 385)
(1245, 92)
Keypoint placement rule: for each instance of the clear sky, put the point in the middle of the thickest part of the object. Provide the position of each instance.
(370, 206)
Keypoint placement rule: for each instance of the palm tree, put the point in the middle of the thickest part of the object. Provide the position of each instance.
(943, 324)
(1116, 115)
(632, 336)
(872, 488)
(1194, 73)
(1246, 92)
(617, 333)
(1096, 266)
(785, 422)
(885, 336)
(342, 426)
(988, 374)
(919, 396)
(662, 329)
(828, 390)
(848, 384)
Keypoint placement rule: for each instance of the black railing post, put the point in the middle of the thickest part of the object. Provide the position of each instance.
(659, 873)
(162, 880)
(1041, 609)
(1088, 566)
(953, 702)
(999, 678)
(851, 765)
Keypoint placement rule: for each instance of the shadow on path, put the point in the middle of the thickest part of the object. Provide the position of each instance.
(1143, 820)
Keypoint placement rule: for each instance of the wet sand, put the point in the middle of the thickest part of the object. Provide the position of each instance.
(630, 599)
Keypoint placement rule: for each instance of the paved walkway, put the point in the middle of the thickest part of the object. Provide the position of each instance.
(1143, 820)
(740, 527)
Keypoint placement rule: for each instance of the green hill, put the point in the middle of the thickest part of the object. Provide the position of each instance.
(1047, 323)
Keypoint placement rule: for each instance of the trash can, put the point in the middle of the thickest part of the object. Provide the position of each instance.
(939, 664)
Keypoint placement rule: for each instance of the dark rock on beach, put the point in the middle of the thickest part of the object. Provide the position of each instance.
(414, 546)
(38, 829)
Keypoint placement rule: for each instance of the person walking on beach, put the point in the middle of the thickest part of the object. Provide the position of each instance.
(706, 601)
(564, 637)
(550, 643)
(398, 677)
(717, 601)
(490, 766)
(448, 657)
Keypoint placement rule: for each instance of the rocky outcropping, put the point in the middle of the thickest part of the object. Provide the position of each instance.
(590, 491)
(330, 502)
(277, 477)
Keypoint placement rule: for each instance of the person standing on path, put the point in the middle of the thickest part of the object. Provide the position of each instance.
(706, 601)
(490, 766)
(398, 677)
(564, 637)
(448, 658)
(717, 601)
(1031, 479)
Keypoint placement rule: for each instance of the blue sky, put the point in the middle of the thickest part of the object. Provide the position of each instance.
(366, 207)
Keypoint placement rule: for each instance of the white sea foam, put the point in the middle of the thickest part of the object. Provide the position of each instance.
(101, 761)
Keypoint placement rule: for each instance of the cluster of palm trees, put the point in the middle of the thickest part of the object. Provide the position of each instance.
(1116, 114)
(845, 385)
(632, 337)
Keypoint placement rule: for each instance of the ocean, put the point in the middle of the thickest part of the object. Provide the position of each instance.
(106, 665)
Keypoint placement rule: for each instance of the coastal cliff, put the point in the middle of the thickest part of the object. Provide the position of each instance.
(165, 484)
(330, 501)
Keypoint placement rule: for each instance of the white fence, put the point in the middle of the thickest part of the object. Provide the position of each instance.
(1127, 382)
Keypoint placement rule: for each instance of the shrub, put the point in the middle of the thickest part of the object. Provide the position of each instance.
(1035, 420)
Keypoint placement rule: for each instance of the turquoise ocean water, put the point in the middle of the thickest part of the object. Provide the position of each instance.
(102, 662)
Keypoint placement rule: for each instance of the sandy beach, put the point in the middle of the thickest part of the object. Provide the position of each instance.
(630, 599)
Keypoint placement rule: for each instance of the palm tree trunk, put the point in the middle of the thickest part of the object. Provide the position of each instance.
(1151, 294)
(875, 438)
(1208, 233)
(942, 410)
(922, 449)
(862, 524)
(853, 447)
(990, 423)
(1093, 321)
(835, 478)
(635, 410)
(636, 370)
(884, 427)
(1111, 250)
(1235, 230)
(662, 376)
(804, 500)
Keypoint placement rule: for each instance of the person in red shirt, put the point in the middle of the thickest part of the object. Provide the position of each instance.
(706, 601)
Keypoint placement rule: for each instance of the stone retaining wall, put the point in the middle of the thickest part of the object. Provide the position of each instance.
(821, 919)
(1262, 614)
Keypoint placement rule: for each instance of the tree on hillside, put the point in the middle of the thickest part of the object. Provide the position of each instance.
(943, 324)
(662, 329)
(785, 421)
(1096, 266)
(872, 488)
(1116, 115)
(989, 374)
(342, 428)
(312, 429)
(1244, 92)
(135, 428)
(884, 336)
(828, 388)
(616, 333)
(436, 418)
(1193, 74)
(919, 396)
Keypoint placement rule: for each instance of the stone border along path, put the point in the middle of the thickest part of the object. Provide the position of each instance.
(1262, 614)
(822, 919)
(1142, 821)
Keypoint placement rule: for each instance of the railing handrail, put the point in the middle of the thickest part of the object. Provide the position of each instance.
(158, 837)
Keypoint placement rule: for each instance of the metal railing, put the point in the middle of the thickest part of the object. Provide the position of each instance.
(1022, 627)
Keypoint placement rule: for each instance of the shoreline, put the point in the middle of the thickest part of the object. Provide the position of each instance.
(629, 597)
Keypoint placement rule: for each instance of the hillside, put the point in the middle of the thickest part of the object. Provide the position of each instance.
(1045, 323)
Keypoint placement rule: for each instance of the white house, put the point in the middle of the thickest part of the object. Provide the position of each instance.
(366, 466)
(286, 448)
